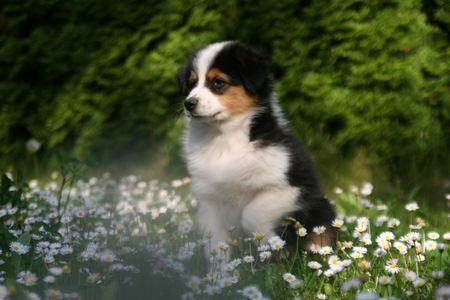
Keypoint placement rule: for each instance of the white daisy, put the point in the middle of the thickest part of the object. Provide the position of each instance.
(412, 206)
(392, 266)
(302, 231)
(319, 229)
(276, 243)
(430, 245)
(314, 265)
(385, 280)
(419, 282)
(288, 277)
(295, 284)
(351, 284)
(433, 235)
(410, 276)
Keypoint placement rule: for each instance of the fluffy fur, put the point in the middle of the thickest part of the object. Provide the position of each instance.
(247, 169)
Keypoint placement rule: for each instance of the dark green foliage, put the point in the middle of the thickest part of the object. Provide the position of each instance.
(96, 78)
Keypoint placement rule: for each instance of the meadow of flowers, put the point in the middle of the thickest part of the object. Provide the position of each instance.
(103, 238)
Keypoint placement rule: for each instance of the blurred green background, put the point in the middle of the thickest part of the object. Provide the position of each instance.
(365, 83)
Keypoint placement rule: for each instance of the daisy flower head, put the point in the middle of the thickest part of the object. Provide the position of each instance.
(338, 190)
(314, 265)
(319, 229)
(334, 263)
(55, 271)
(302, 232)
(194, 283)
(393, 222)
(337, 223)
(276, 243)
(433, 235)
(329, 273)
(321, 296)
(327, 250)
(412, 206)
(107, 256)
(366, 189)
(66, 219)
(387, 235)
(351, 284)
(345, 263)
(441, 246)
(27, 278)
(410, 276)
(19, 248)
(265, 255)
(443, 293)
(385, 280)
(383, 243)
(295, 284)
(358, 252)
(402, 249)
(392, 266)
(363, 221)
(214, 290)
(419, 282)
(430, 245)
(346, 245)
(382, 207)
(248, 259)
(258, 235)
(446, 236)
(251, 292)
(366, 238)
(364, 265)
(437, 274)
(412, 237)
(49, 279)
(288, 277)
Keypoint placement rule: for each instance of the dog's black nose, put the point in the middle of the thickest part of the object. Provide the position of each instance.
(190, 103)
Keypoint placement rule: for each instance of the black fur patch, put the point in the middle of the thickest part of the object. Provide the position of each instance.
(246, 66)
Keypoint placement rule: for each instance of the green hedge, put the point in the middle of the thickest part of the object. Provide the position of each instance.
(96, 78)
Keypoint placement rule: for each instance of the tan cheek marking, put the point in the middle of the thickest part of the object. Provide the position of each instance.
(193, 76)
(236, 100)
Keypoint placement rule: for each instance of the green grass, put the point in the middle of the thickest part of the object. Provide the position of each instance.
(133, 239)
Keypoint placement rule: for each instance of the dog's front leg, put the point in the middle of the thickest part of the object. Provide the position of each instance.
(264, 212)
(213, 228)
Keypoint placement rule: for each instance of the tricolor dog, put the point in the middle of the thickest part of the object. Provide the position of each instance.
(247, 169)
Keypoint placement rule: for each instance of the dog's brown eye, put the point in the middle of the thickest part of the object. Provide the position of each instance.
(218, 84)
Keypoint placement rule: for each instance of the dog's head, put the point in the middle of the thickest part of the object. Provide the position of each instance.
(223, 80)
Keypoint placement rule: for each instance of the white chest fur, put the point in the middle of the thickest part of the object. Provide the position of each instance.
(237, 182)
(226, 166)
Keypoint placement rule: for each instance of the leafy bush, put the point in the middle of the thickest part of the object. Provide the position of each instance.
(96, 79)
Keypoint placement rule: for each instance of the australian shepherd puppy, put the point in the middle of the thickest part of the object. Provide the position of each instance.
(247, 169)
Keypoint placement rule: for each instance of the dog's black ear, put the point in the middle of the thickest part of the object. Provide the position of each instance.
(182, 77)
(255, 69)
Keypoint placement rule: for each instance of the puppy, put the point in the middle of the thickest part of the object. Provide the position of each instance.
(247, 169)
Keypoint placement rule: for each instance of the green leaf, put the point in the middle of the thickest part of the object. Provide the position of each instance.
(25, 239)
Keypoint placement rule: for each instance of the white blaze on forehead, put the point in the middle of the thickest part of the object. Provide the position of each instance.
(205, 57)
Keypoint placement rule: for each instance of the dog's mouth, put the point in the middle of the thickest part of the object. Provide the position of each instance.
(203, 117)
